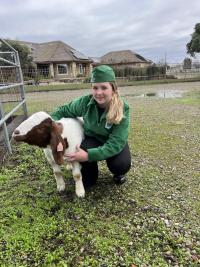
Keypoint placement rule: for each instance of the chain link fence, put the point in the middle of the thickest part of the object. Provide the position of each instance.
(176, 71)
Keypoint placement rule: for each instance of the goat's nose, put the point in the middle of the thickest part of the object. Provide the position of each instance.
(16, 132)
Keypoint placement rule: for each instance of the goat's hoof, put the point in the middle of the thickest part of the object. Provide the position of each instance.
(61, 187)
(80, 193)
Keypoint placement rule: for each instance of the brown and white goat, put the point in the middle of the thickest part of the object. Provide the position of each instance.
(56, 138)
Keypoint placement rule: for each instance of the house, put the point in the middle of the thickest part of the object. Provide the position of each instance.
(125, 58)
(59, 60)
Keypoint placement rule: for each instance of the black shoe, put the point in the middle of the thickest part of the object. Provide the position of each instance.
(119, 179)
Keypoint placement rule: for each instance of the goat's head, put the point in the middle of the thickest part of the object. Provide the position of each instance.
(40, 130)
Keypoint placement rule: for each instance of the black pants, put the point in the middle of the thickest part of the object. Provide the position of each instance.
(118, 164)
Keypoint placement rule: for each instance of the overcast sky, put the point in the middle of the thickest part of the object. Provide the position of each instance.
(152, 28)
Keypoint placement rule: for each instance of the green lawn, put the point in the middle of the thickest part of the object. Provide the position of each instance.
(79, 86)
(152, 220)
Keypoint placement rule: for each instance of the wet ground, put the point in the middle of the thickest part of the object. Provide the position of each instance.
(160, 94)
(44, 100)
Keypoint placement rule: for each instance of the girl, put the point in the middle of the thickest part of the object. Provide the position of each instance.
(106, 123)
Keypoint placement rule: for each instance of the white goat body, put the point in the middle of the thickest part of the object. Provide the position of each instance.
(73, 132)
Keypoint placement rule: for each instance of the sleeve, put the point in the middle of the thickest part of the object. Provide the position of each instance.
(115, 143)
(73, 109)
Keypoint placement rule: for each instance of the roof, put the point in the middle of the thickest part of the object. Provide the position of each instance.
(96, 59)
(55, 51)
(123, 56)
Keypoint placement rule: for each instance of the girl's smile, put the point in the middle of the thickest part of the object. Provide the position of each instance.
(102, 93)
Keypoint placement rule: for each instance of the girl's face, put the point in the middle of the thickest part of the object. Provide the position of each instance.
(102, 93)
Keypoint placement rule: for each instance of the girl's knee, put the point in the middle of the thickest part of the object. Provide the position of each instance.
(119, 167)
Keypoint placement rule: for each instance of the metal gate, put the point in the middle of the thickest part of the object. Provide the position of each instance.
(13, 108)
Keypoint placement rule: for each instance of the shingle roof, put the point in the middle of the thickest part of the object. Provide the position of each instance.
(55, 51)
(123, 56)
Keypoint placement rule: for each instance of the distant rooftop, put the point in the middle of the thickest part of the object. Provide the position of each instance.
(123, 56)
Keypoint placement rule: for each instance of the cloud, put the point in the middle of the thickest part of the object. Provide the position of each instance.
(152, 28)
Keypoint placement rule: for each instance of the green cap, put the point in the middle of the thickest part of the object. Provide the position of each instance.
(102, 73)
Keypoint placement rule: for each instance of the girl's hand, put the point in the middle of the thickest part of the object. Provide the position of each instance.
(80, 155)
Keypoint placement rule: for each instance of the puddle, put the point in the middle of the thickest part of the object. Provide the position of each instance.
(160, 94)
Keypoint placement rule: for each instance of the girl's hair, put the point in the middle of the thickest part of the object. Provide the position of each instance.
(115, 112)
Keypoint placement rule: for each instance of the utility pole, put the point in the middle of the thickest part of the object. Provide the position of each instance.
(165, 64)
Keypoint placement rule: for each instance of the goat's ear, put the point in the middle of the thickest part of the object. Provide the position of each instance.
(58, 147)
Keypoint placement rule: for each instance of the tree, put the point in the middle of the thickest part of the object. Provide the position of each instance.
(26, 60)
(194, 45)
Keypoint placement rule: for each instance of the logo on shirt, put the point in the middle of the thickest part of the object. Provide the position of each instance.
(108, 125)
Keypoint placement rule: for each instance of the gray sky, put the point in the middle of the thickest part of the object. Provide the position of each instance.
(152, 28)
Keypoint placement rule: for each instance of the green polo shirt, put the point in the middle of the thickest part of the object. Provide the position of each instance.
(113, 136)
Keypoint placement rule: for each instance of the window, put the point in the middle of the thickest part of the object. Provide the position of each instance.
(80, 69)
(62, 68)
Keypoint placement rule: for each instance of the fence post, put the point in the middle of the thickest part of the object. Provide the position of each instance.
(20, 79)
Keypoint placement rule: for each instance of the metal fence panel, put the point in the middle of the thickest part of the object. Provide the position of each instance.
(12, 97)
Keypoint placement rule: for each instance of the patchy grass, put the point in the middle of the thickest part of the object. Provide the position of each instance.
(56, 87)
(191, 98)
(80, 86)
(151, 220)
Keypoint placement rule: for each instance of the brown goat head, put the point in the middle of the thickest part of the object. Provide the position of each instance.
(40, 130)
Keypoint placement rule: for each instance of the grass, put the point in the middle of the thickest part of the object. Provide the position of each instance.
(79, 86)
(57, 87)
(192, 98)
(152, 220)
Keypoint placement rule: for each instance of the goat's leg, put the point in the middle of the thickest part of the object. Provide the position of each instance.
(56, 170)
(76, 172)
(69, 166)
(59, 178)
